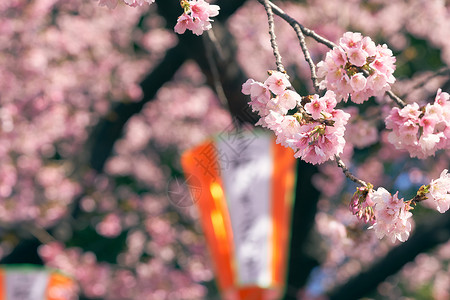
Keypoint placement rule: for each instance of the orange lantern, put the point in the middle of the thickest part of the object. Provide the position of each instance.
(243, 186)
(20, 282)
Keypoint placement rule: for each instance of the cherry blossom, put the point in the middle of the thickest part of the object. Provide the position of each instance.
(439, 192)
(315, 135)
(391, 216)
(261, 99)
(362, 204)
(316, 142)
(196, 16)
(357, 68)
(421, 131)
(277, 82)
(315, 107)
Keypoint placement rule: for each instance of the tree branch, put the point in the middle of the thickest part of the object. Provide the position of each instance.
(396, 99)
(308, 32)
(273, 38)
(347, 173)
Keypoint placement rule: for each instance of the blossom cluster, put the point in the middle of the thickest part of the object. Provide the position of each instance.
(315, 133)
(391, 216)
(196, 16)
(421, 131)
(133, 3)
(357, 67)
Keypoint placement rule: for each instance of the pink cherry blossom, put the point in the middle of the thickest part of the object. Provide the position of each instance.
(289, 99)
(362, 204)
(261, 100)
(314, 140)
(316, 143)
(286, 130)
(246, 86)
(275, 104)
(357, 57)
(357, 68)
(272, 121)
(391, 216)
(439, 192)
(184, 22)
(358, 82)
(196, 16)
(421, 131)
(202, 10)
(442, 98)
(277, 82)
(351, 40)
(330, 101)
(315, 107)
(259, 95)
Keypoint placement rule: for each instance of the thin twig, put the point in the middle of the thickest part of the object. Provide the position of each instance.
(299, 31)
(40, 233)
(307, 55)
(396, 99)
(347, 173)
(217, 46)
(308, 32)
(273, 41)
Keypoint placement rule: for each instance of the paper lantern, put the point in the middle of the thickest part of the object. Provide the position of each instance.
(30, 282)
(243, 186)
